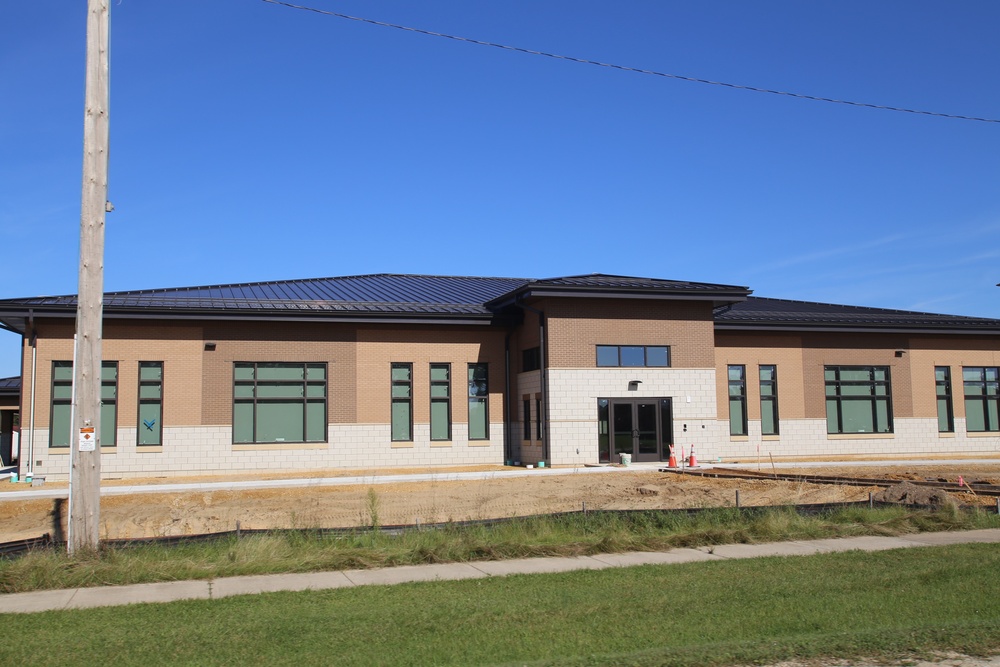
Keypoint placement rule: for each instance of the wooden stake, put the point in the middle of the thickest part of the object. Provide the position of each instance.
(85, 445)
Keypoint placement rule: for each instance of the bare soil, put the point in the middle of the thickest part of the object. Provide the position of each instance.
(407, 503)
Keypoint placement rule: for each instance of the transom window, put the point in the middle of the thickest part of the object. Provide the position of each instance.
(858, 399)
(279, 402)
(633, 355)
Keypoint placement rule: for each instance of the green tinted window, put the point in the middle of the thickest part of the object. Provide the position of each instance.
(479, 391)
(278, 402)
(859, 399)
(440, 391)
(982, 399)
(150, 427)
(401, 396)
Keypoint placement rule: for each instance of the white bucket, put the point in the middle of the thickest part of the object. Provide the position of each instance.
(626, 459)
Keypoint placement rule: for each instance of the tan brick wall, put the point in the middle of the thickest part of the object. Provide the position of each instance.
(801, 359)
(955, 352)
(856, 350)
(54, 343)
(753, 351)
(333, 344)
(198, 383)
(378, 348)
(177, 346)
(577, 326)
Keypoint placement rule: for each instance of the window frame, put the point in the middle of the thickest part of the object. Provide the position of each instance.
(141, 401)
(769, 400)
(944, 399)
(539, 431)
(255, 400)
(62, 403)
(617, 353)
(400, 400)
(739, 398)
(446, 399)
(531, 359)
(986, 398)
(874, 398)
(479, 397)
(526, 421)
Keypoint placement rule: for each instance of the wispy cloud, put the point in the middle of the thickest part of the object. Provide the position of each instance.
(827, 253)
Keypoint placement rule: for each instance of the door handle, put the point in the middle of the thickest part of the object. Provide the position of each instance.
(635, 433)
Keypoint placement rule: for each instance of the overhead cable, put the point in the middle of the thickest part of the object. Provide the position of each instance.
(636, 70)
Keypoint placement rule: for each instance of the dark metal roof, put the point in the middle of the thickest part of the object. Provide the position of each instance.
(421, 298)
(380, 296)
(599, 285)
(778, 314)
(10, 385)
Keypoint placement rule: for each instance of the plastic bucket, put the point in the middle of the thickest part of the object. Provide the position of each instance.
(626, 459)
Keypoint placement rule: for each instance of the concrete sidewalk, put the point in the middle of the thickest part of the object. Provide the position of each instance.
(82, 598)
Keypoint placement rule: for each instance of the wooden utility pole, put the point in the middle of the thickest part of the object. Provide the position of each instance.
(85, 438)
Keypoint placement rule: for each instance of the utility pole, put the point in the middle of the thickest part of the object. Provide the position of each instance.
(85, 438)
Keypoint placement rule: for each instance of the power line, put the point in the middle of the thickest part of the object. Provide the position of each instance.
(636, 70)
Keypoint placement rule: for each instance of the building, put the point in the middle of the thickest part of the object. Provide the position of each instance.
(375, 371)
(10, 392)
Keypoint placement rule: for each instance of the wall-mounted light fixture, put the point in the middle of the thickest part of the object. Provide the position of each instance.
(634, 384)
(900, 353)
(210, 346)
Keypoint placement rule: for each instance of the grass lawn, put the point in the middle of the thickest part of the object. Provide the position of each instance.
(570, 535)
(902, 602)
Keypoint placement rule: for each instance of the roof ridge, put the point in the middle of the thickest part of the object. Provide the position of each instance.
(288, 281)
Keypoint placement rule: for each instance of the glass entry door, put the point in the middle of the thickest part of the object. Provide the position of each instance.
(640, 427)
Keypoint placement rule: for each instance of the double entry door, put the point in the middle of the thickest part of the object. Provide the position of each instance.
(641, 427)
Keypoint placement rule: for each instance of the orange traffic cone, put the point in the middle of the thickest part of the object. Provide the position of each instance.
(693, 461)
(672, 463)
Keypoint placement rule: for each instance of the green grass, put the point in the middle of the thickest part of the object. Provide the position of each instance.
(906, 602)
(569, 535)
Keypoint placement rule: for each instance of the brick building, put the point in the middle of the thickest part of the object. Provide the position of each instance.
(411, 371)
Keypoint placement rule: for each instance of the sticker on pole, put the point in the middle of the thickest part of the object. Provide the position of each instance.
(88, 441)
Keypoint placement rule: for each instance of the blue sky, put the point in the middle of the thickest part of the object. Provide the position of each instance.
(253, 142)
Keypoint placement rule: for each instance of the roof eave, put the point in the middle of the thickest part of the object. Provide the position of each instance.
(853, 328)
(479, 319)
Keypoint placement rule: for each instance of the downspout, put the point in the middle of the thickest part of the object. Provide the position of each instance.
(507, 446)
(544, 377)
(31, 409)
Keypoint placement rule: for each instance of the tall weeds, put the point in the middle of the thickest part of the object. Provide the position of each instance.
(561, 535)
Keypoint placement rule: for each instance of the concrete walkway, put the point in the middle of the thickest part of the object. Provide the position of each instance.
(82, 598)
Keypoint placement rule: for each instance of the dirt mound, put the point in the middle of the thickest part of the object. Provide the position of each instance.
(907, 493)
